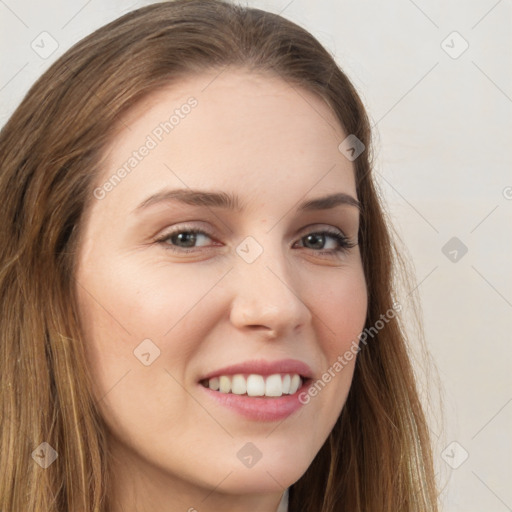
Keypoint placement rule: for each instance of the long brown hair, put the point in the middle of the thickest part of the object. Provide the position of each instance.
(377, 457)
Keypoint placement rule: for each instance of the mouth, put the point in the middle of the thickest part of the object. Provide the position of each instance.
(259, 390)
(257, 385)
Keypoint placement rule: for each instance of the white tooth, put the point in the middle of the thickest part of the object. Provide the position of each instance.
(286, 384)
(214, 383)
(224, 384)
(238, 385)
(273, 385)
(295, 383)
(255, 385)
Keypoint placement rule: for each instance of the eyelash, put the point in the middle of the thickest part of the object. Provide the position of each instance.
(344, 243)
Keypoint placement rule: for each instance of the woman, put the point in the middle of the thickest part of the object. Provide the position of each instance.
(197, 280)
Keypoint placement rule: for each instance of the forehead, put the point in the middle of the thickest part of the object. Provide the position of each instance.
(235, 130)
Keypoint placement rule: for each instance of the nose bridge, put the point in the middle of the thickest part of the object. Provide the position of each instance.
(265, 291)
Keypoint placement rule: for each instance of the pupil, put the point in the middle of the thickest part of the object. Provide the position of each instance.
(183, 236)
(319, 238)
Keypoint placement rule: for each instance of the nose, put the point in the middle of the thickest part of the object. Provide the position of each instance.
(267, 296)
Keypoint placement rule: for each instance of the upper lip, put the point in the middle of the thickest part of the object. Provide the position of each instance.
(263, 367)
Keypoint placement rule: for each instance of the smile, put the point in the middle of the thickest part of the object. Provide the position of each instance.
(255, 385)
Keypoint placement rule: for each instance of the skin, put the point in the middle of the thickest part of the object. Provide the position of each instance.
(273, 145)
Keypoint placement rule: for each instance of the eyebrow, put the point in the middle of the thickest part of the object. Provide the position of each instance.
(232, 202)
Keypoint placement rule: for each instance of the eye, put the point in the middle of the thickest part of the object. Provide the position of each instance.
(188, 240)
(183, 239)
(317, 240)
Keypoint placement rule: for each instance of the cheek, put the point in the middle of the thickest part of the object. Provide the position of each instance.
(342, 309)
(138, 343)
(127, 313)
(135, 302)
(341, 312)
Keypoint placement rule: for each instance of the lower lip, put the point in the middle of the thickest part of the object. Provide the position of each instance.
(259, 408)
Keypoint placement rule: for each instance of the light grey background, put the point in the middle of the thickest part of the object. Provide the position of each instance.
(443, 126)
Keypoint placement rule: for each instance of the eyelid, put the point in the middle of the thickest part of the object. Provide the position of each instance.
(310, 228)
(185, 227)
(345, 243)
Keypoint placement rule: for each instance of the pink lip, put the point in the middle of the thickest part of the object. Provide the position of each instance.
(259, 408)
(262, 367)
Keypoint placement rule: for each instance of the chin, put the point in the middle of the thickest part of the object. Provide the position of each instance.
(269, 474)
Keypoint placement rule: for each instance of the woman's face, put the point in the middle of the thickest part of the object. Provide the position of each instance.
(201, 260)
